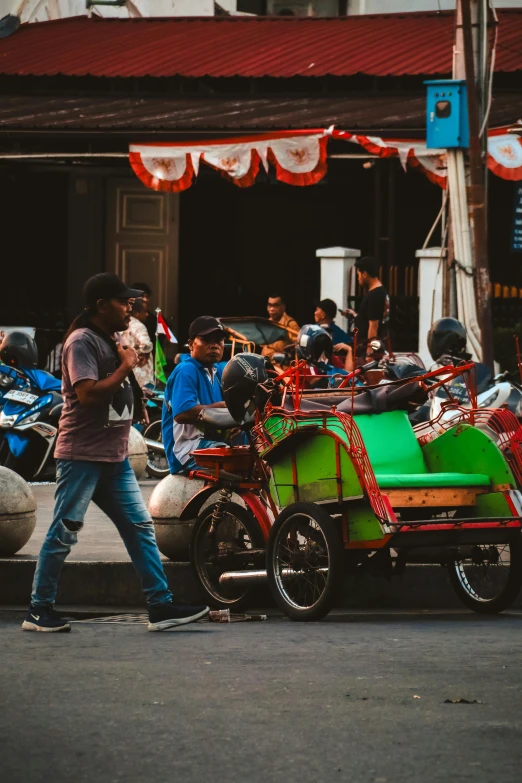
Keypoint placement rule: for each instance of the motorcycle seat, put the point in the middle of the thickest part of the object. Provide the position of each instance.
(383, 399)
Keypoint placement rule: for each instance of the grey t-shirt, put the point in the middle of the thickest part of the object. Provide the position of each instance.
(95, 433)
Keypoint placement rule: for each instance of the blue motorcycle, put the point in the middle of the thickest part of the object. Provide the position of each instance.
(31, 404)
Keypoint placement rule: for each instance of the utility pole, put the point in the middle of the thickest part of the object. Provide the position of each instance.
(477, 190)
(467, 205)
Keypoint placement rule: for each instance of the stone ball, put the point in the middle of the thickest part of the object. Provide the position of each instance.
(166, 503)
(17, 512)
(137, 453)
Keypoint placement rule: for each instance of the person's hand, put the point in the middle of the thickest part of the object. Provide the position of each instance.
(128, 356)
(348, 312)
(341, 347)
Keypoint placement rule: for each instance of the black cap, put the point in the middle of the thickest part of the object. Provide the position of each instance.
(205, 324)
(107, 286)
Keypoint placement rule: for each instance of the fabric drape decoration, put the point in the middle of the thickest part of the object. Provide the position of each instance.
(504, 154)
(298, 157)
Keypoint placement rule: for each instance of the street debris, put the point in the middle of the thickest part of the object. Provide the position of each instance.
(462, 701)
(224, 616)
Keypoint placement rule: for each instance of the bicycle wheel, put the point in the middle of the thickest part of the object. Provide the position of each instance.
(489, 580)
(305, 563)
(157, 465)
(226, 549)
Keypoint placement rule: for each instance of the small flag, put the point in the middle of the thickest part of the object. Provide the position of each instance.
(162, 328)
(159, 362)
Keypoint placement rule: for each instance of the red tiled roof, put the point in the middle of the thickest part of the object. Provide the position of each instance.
(380, 45)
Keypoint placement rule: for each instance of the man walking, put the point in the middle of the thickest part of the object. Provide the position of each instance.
(99, 392)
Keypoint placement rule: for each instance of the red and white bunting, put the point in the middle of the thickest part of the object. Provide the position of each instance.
(504, 154)
(299, 158)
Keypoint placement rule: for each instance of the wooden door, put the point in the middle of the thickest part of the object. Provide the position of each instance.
(142, 240)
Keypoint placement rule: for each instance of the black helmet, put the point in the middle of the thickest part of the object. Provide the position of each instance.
(447, 337)
(313, 342)
(19, 350)
(240, 382)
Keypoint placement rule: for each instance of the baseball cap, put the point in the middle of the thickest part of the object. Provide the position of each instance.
(205, 324)
(107, 286)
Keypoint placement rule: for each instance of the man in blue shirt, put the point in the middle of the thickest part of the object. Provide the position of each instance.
(193, 385)
(324, 315)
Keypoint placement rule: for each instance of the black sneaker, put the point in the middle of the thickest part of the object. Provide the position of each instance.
(168, 615)
(42, 618)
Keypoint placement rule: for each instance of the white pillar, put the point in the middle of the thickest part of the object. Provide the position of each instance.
(430, 288)
(336, 281)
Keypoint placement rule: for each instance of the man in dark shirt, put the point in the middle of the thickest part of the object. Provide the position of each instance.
(92, 463)
(372, 319)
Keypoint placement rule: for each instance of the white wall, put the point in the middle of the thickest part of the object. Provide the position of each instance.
(43, 10)
(394, 6)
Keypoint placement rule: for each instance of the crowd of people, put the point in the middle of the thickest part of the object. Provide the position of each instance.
(107, 357)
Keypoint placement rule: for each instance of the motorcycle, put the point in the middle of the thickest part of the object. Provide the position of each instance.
(29, 422)
(157, 465)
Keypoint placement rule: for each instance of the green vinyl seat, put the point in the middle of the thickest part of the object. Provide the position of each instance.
(421, 480)
(397, 458)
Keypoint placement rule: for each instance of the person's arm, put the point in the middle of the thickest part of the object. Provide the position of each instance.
(94, 392)
(191, 416)
(373, 329)
(348, 364)
(376, 304)
(185, 403)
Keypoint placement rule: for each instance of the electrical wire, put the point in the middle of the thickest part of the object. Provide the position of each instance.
(490, 5)
(434, 226)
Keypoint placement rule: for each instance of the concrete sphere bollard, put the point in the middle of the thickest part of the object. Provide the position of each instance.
(166, 503)
(17, 512)
(137, 453)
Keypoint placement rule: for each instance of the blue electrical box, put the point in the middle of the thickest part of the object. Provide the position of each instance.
(446, 114)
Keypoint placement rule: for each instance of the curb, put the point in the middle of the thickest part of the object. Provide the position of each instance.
(115, 584)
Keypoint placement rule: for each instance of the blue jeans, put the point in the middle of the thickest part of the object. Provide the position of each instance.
(114, 489)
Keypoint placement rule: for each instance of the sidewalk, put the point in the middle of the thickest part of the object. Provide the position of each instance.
(99, 573)
(98, 539)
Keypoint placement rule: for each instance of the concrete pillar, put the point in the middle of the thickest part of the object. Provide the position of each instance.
(430, 288)
(336, 281)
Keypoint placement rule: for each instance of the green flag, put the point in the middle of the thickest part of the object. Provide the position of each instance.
(160, 362)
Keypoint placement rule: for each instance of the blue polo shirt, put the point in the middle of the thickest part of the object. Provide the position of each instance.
(337, 334)
(190, 384)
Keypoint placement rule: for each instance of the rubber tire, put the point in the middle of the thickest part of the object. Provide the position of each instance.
(258, 542)
(153, 472)
(507, 596)
(336, 565)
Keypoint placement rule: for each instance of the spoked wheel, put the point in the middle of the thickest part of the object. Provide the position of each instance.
(157, 465)
(305, 561)
(227, 548)
(490, 578)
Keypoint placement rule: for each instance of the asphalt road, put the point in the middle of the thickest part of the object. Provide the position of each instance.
(359, 697)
